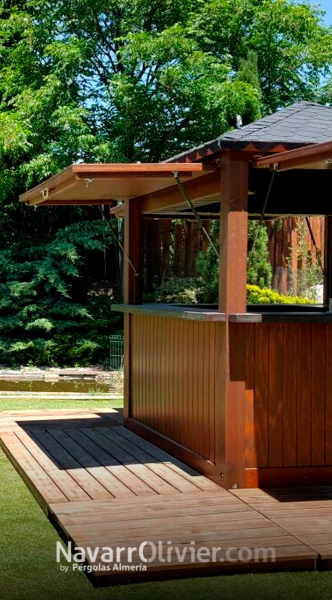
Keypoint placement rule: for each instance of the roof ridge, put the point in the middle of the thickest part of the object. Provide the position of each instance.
(301, 123)
(265, 122)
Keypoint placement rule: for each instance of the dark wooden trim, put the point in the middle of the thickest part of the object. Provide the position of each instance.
(281, 317)
(288, 476)
(171, 312)
(216, 148)
(300, 158)
(195, 461)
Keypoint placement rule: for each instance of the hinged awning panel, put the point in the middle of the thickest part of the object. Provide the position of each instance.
(106, 183)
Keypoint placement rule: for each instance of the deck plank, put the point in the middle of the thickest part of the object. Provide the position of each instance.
(44, 489)
(159, 485)
(63, 479)
(105, 435)
(67, 462)
(106, 486)
(173, 463)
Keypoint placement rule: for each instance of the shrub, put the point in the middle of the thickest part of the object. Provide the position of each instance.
(191, 291)
(184, 290)
(257, 295)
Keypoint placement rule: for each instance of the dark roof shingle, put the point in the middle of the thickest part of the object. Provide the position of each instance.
(297, 125)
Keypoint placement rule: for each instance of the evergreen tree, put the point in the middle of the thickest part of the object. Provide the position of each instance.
(259, 267)
(248, 72)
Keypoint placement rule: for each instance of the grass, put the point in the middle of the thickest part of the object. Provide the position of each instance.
(34, 404)
(29, 570)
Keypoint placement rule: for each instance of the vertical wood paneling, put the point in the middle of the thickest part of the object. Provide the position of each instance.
(318, 395)
(290, 376)
(276, 337)
(173, 381)
(287, 367)
(174, 414)
(135, 360)
(188, 381)
(168, 406)
(261, 424)
(158, 373)
(204, 389)
(290, 372)
(328, 397)
(219, 372)
(213, 332)
(304, 366)
(250, 397)
(196, 368)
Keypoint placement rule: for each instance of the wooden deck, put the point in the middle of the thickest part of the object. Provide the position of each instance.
(106, 486)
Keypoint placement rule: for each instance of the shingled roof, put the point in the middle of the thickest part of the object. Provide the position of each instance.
(298, 125)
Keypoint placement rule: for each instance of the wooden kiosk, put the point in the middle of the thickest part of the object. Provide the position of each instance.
(243, 396)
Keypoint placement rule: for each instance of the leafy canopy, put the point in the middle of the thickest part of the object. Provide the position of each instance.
(126, 80)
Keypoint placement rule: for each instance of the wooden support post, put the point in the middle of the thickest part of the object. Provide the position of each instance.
(132, 290)
(132, 284)
(233, 299)
(328, 260)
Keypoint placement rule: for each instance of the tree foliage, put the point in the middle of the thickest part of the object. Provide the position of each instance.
(129, 80)
(259, 266)
(41, 321)
(259, 271)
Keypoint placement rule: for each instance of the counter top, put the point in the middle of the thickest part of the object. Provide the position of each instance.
(281, 317)
(191, 313)
(206, 314)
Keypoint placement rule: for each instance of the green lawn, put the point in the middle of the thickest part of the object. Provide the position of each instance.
(21, 403)
(28, 570)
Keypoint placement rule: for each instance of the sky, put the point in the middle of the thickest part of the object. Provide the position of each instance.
(325, 5)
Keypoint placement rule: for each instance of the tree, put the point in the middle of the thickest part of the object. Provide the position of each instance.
(248, 72)
(111, 80)
(259, 271)
(41, 320)
(293, 47)
(259, 267)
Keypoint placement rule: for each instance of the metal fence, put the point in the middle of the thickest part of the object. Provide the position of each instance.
(116, 352)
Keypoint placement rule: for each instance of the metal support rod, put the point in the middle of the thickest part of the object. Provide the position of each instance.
(118, 241)
(197, 216)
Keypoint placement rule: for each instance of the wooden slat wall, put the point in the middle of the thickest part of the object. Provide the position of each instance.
(289, 394)
(174, 383)
(283, 250)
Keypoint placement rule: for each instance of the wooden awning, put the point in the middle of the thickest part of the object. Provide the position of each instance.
(98, 183)
(315, 156)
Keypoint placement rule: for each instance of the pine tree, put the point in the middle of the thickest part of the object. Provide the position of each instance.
(248, 73)
(259, 268)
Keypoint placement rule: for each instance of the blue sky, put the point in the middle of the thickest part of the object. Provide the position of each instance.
(325, 5)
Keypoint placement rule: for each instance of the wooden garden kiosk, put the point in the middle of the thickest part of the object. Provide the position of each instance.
(242, 395)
